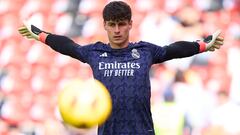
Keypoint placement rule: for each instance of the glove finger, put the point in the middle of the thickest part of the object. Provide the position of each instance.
(216, 46)
(220, 38)
(218, 42)
(23, 31)
(26, 34)
(22, 28)
(212, 49)
(30, 37)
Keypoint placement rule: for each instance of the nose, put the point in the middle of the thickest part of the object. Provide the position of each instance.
(116, 29)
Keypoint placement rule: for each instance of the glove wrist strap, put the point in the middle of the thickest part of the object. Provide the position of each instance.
(202, 46)
(43, 37)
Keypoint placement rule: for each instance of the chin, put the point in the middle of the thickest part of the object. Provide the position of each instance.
(118, 42)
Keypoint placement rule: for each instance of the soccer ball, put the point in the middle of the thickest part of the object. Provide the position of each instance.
(84, 104)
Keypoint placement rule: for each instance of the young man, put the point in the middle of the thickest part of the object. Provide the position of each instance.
(123, 67)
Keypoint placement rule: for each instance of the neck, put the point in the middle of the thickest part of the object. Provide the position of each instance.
(116, 46)
(119, 46)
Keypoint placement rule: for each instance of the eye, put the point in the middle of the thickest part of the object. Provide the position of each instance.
(111, 24)
(122, 24)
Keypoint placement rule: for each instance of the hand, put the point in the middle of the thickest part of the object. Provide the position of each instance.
(214, 41)
(30, 31)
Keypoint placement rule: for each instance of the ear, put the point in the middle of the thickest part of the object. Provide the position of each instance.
(104, 24)
(130, 24)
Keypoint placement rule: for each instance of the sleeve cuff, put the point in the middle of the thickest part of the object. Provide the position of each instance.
(202, 46)
(43, 37)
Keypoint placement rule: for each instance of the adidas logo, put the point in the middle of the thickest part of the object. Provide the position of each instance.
(103, 55)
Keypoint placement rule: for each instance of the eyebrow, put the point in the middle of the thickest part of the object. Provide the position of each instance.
(119, 21)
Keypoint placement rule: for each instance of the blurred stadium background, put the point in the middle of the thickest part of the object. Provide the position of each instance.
(193, 96)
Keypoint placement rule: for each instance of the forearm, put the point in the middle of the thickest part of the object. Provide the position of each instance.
(182, 49)
(65, 45)
(59, 43)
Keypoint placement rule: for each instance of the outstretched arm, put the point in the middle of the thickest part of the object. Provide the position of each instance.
(58, 43)
(182, 49)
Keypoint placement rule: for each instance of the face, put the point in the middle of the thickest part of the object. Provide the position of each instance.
(118, 33)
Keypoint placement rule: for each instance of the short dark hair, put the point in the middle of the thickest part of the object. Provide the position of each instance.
(117, 11)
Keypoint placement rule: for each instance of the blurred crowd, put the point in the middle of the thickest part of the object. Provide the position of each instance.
(199, 95)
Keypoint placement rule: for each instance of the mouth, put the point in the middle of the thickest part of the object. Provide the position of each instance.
(117, 37)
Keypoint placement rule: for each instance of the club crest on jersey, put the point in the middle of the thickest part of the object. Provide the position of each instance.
(135, 54)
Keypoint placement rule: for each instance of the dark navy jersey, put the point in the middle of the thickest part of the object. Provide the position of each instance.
(125, 73)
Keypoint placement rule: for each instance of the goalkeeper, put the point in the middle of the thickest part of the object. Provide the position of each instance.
(123, 67)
